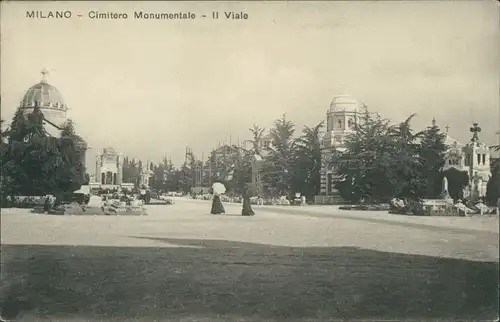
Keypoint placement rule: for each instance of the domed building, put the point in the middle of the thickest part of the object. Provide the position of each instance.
(49, 100)
(342, 116)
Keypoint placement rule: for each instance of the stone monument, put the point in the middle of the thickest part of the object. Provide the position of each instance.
(146, 175)
(109, 168)
(444, 189)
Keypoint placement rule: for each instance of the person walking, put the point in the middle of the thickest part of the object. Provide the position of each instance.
(217, 207)
(247, 206)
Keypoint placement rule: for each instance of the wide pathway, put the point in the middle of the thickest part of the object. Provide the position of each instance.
(286, 263)
(458, 237)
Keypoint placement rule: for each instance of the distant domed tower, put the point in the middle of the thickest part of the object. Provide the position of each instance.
(48, 99)
(342, 117)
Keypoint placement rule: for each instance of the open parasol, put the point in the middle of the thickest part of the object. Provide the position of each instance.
(218, 188)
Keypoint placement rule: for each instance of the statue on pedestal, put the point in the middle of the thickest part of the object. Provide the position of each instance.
(466, 192)
(480, 188)
(444, 189)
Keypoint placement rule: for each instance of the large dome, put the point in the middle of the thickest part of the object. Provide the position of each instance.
(345, 102)
(43, 95)
(48, 99)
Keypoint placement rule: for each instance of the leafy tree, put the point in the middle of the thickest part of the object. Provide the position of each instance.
(72, 148)
(164, 176)
(406, 161)
(186, 177)
(257, 133)
(431, 152)
(18, 127)
(280, 158)
(222, 163)
(242, 175)
(35, 155)
(7, 181)
(365, 168)
(191, 167)
(493, 187)
(156, 180)
(36, 163)
(176, 182)
(381, 161)
(307, 167)
(230, 165)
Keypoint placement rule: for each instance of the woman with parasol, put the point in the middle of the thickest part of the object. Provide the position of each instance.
(217, 207)
(247, 206)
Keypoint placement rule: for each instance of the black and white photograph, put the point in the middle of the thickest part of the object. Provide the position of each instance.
(248, 161)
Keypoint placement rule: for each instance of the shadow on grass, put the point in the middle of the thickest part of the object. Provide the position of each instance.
(241, 281)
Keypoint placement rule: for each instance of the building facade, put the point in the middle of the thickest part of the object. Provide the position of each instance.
(473, 158)
(109, 169)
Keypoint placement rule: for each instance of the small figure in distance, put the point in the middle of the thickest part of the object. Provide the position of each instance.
(247, 206)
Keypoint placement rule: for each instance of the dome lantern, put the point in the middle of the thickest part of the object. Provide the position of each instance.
(44, 73)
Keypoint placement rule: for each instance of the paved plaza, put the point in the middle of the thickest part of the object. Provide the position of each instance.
(286, 263)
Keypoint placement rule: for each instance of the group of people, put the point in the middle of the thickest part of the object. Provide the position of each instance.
(218, 208)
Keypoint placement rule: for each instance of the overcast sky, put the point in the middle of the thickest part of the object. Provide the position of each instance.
(150, 88)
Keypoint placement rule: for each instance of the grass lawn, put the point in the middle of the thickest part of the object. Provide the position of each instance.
(236, 281)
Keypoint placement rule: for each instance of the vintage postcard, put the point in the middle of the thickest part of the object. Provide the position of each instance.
(249, 161)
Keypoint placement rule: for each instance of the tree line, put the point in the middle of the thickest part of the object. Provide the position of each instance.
(380, 161)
